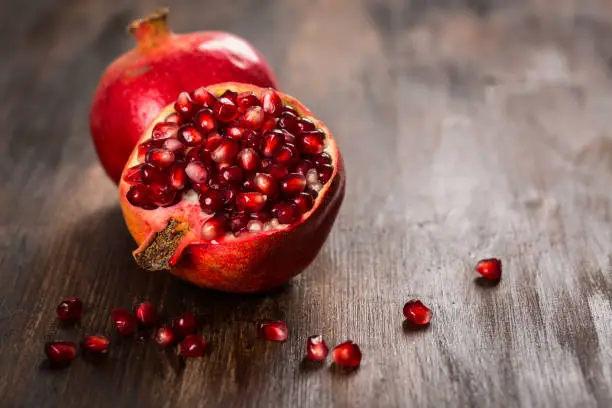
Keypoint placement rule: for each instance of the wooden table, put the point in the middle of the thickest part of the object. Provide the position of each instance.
(470, 128)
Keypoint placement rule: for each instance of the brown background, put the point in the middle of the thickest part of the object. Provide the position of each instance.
(470, 128)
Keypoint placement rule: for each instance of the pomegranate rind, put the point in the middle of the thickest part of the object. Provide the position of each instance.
(251, 262)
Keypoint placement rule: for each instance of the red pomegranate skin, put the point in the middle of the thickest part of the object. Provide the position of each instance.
(139, 84)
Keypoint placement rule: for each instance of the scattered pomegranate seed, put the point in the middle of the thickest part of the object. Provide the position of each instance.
(490, 269)
(193, 346)
(70, 309)
(274, 330)
(316, 349)
(124, 321)
(60, 351)
(96, 344)
(416, 312)
(185, 324)
(165, 337)
(347, 354)
(146, 314)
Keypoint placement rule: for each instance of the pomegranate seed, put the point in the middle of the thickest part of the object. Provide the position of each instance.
(248, 159)
(144, 147)
(140, 196)
(347, 354)
(197, 172)
(229, 194)
(325, 172)
(251, 202)
(306, 125)
(213, 228)
(185, 324)
(153, 175)
(225, 110)
(253, 118)
(193, 346)
(124, 321)
(272, 142)
(265, 183)
(490, 269)
(289, 137)
(271, 102)
(174, 146)
(163, 195)
(293, 184)
(165, 337)
(289, 121)
(288, 154)
(246, 100)
(232, 174)
(133, 175)
(160, 157)
(322, 159)
(252, 139)
(269, 124)
(190, 136)
(278, 171)
(313, 142)
(205, 120)
(274, 330)
(70, 309)
(225, 152)
(231, 95)
(175, 118)
(214, 140)
(60, 351)
(234, 132)
(316, 349)
(201, 96)
(178, 177)
(304, 202)
(96, 344)
(184, 105)
(289, 109)
(262, 216)
(304, 166)
(286, 213)
(416, 312)
(211, 201)
(164, 130)
(146, 314)
(239, 222)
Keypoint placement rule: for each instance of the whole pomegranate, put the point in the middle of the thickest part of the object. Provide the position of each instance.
(233, 187)
(138, 84)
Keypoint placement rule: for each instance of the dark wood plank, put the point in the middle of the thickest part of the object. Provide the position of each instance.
(470, 128)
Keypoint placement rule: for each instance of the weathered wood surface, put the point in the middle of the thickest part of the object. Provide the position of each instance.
(470, 128)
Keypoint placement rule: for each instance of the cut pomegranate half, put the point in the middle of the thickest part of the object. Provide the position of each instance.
(243, 194)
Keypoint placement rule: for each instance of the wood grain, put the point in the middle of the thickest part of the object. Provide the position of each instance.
(470, 128)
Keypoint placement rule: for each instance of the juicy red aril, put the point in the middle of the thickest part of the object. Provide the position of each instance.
(184, 105)
(231, 95)
(185, 324)
(272, 142)
(248, 159)
(211, 201)
(252, 118)
(271, 102)
(265, 183)
(293, 184)
(160, 157)
(95, 344)
(416, 312)
(140, 196)
(229, 194)
(286, 213)
(251, 202)
(290, 110)
(60, 351)
(214, 228)
(316, 349)
(232, 174)
(313, 142)
(197, 172)
(205, 120)
(274, 330)
(347, 354)
(164, 130)
(165, 337)
(304, 202)
(193, 346)
(252, 139)
(146, 314)
(204, 98)
(153, 175)
(290, 122)
(175, 118)
(321, 159)
(288, 154)
(178, 177)
(325, 172)
(278, 171)
(246, 100)
(190, 136)
(133, 175)
(304, 166)
(174, 146)
(239, 222)
(225, 151)
(214, 140)
(490, 268)
(234, 132)
(225, 110)
(289, 138)
(269, 124)
(124, 321)
(163, 195)
(306, 125)
(144, 147)
(69, 309)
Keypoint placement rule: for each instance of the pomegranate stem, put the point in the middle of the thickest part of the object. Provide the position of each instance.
(162, 250)
(151, 30)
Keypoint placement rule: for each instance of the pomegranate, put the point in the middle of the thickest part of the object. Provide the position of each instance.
(231, 209)
(137, 85)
